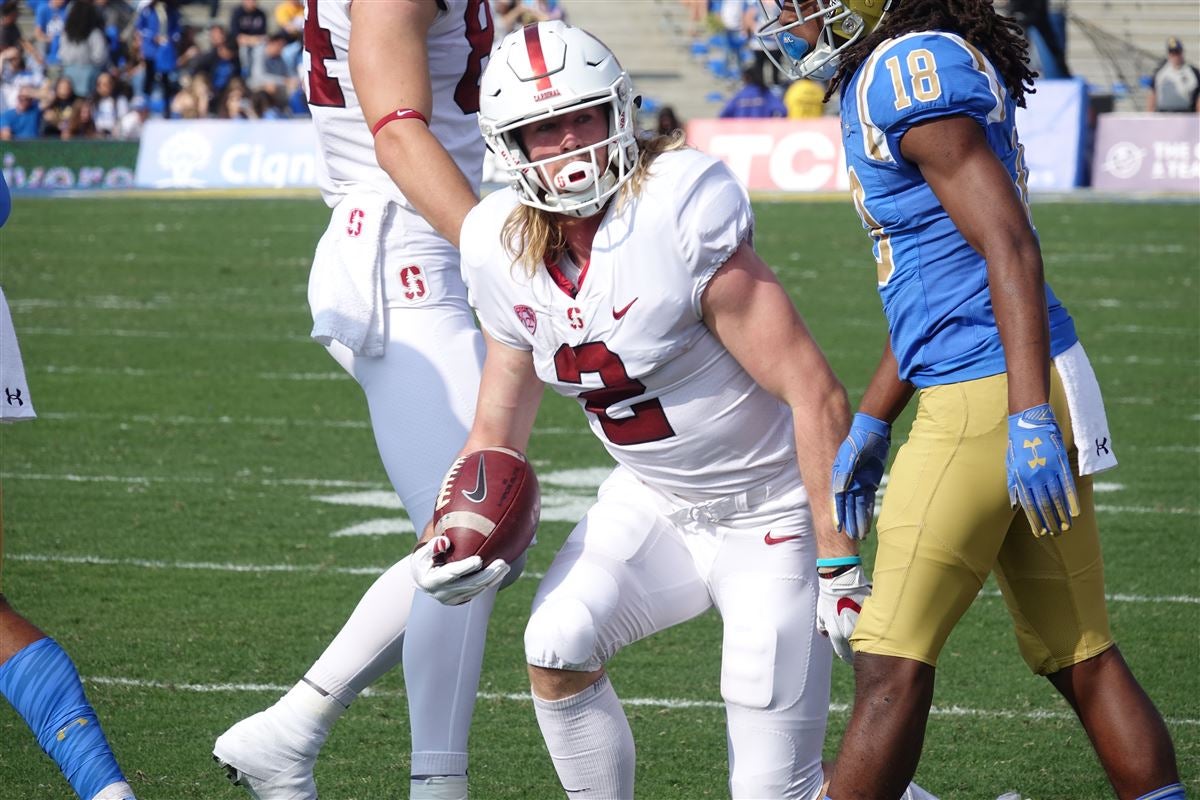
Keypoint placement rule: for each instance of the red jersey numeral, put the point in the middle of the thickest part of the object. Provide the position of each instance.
(478, 17)
(318, 43)
(649, 421)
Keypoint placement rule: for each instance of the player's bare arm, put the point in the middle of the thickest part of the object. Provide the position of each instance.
(749, 311)
(886, 395)
(389, 66)
(509, 396)
(978, 194)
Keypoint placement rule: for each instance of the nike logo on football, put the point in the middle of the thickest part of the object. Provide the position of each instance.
(846, 604)
(770, 540)
(618, 314)
(477, 494)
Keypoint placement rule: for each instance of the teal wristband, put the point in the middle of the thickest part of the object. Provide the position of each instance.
(843, 561)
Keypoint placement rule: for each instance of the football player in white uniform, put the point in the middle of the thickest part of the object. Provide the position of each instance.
(622, 274)
(401, 163)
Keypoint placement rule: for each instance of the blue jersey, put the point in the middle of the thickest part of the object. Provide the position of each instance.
(5, 201)
(934, 285)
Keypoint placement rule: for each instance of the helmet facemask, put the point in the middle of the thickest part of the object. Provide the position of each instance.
(544, 71)
(841, 26)
(583, 186)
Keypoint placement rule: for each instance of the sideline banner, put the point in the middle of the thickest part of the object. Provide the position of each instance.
(1051, 128)
(780, 155)
(52, 164)
(785, 155)
(227, 154)
(1147, 152)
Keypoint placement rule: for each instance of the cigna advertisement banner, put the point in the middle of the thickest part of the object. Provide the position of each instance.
(1147, 152)
(227, 154)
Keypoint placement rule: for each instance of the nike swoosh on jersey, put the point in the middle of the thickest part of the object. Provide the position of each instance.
(770, 540)
(477, 494)
(1021, 423)
(618, 314)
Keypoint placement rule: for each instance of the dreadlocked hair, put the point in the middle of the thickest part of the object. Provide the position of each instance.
(1000, 38)
(532, 236)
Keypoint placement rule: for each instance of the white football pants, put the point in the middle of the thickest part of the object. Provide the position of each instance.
(421, 395)
(633, 567)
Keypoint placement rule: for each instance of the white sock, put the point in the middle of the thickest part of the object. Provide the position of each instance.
(590, 742)
(443, 787)
(443, 655)
(915, 792)
(115, 791)
(370, 643)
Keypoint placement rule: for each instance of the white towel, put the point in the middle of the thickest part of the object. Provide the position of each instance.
(344, 289)
(1088, 420)
(15, 403)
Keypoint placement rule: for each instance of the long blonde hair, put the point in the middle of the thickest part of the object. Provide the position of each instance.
(532, 236)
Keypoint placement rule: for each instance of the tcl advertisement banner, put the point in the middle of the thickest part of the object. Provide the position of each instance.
(1147, 152)
(784, 155)
(779, 155)
(227, 154)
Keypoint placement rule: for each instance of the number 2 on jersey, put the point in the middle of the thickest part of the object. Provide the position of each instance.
(925, 84)
(649, 421)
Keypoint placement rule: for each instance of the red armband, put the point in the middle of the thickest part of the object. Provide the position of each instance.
(399, 113)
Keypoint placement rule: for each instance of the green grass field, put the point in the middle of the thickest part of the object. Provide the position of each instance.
(173, 518)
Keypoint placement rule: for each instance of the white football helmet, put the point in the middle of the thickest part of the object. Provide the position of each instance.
(844, 23)
(548, 69)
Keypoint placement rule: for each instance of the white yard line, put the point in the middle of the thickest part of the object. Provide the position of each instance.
(215, 566)
(523, 697)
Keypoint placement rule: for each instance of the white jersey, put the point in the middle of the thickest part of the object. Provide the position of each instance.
(458, 45)
(660, 391)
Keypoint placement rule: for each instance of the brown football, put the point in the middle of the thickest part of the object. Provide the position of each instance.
(488, 506)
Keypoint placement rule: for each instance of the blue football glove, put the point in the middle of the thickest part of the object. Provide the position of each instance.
(857, 471)
(1039, 473)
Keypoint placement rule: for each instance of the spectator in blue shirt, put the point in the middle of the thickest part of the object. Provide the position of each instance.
(51, 16)
(24, 121)
(753, 100)
(160, 46)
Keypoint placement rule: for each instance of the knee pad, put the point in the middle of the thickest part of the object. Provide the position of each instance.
(561, 634)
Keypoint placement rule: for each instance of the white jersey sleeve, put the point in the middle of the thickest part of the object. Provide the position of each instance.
(712, 216)
(491, 277)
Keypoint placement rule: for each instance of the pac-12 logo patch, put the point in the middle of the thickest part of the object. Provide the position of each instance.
(528, 318)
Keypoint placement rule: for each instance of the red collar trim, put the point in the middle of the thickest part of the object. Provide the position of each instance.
(562, 281)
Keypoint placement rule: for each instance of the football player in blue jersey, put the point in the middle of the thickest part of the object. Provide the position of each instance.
(929, 90)
(36, 675)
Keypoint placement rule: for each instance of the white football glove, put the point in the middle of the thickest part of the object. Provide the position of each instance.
(839, 602)
(458, 581)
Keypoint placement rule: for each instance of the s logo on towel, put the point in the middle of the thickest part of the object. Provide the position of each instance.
(354, 229)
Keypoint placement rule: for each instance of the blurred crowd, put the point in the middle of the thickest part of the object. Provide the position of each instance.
(100, 68)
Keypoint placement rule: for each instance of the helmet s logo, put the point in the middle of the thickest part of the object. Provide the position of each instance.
(528, 318)
(546, 95)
